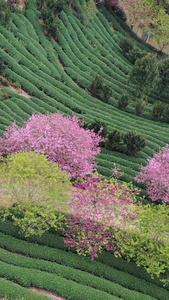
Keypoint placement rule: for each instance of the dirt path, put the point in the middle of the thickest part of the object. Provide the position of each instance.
(20, 91)
(46, 293)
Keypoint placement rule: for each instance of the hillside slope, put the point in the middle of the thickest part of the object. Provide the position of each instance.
(58, 74)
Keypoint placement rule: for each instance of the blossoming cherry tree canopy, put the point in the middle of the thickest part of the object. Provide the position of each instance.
(61, 138)
(156, 175)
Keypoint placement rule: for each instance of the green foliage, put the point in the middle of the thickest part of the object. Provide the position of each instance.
(100, 89)
(114, 139)
(5, 13)
(134, 142)
(144, 74)
(76, 262)
(37, 188)
(11, 290)
(49, 11)
(140, 105)
(131, 51)
(123, 102)
(54, 240)
(126, 46)
(2, 66)
(4, 95)
(73, 274)
(148, 244)
(159, 111)
(163, 85)
(134, 54)
(96, 125)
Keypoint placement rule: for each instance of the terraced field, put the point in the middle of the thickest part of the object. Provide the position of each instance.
(46, 263)
(57, 76)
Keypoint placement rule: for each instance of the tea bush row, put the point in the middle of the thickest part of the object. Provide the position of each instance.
(14, 291)
(86, 49)
(54, 239)
(101, 45)
(105, 71)
(52, 282)
(84, 264)
(72, 274)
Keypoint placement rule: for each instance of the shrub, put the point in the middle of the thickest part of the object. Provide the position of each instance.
(140, 105)
(49, 10)
(163, 85)
(97, 206)
(159, 111)
(134, 142)
(4, 95)
(98, 126)
(29, 180)
(61, 138)
(125, 46)
(144, 74)
(134, 54)
(114, 139)
(123, 102)
(5, 13)
(99, 89)
(147, 244)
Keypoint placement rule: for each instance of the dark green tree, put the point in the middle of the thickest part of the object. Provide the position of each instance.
(160, 111)
(145, 74)
(126, 46)
(134, 142)
(5, 13)
(123, 102)
(140, 106)
(114, 140)
(99, 89)
(163, 85)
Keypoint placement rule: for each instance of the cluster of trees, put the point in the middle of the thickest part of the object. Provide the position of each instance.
(129, 143)
(151, 16)
(94, 213)
(148, 72)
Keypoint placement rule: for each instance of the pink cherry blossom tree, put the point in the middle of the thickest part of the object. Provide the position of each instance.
(61, 138)
(156, 176)
(96, 209)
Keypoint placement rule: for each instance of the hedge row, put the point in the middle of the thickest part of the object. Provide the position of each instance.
(90, 60)
(84, 264)
(69, 273)
(13, 291)
(52, 282)
(55, 240)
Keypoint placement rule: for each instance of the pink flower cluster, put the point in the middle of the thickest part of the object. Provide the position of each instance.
(96, 208)
(61, 138)
(155, 175)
